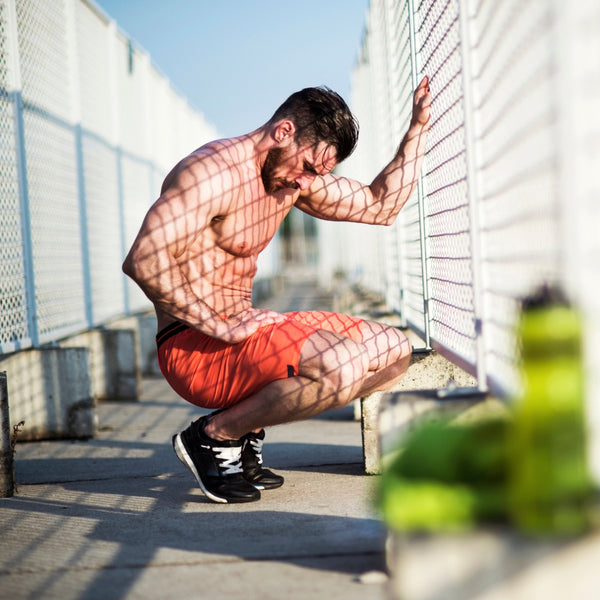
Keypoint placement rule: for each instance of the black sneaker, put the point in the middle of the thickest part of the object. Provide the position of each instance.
(252, 461)
(216, 465)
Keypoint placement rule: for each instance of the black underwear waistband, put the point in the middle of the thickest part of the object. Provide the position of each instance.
(169, 331)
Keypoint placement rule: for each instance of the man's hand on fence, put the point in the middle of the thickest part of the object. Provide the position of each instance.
(422, 104)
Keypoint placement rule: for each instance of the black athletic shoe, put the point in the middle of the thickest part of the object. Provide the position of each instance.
(252, 460)
(217, 466)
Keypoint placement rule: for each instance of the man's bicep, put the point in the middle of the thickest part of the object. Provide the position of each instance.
(181, 214)
(164, 228)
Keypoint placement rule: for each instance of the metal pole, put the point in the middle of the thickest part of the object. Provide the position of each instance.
(473, 194)
(15, 93)
(115, 138)
(7, 476)
(79, 159)
(420, 192)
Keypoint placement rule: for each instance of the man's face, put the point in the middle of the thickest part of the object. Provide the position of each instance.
(273, 164)
(296, 167)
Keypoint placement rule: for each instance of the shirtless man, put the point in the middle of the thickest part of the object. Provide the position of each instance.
(195, 258)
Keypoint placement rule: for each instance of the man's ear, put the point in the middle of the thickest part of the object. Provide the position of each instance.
(284, 132)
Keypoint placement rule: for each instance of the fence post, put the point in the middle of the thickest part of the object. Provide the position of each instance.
(16, 96)
(420, 191)
(469, 87)
(79, 160)
(7, 477)
(115, 138)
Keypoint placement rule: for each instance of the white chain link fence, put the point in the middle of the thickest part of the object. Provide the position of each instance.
(88, 129)
(509, 197)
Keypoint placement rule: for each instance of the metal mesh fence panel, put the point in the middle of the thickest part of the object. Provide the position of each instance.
(55, 226)
(517, 141)
(137, 196)
(162, 138)
(43, 56)
(50, 158)
(14, 326)
(487, 225)
(94, 40)
(130, 69)
(104, 222)
(88, 129)
(578, 55)
(446, 206)
(409, 300)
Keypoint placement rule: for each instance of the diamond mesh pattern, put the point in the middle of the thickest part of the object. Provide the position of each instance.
(104, 226)
(91, 133)
(43, 55)
(13, 303)
(518, 166)
(55, 231)
(50, 156)
(490, 203)
(139, 195)
(93, 60)
(131, 90)
(448, 246)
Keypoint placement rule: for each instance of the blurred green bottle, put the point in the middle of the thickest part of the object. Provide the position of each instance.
(550, 490)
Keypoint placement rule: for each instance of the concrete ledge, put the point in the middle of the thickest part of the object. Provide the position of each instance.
(144, 324)
(113, 362)
(50, 390)
(54, 389)
(427, 371)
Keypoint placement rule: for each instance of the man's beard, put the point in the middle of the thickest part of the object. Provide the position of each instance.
(272, 184)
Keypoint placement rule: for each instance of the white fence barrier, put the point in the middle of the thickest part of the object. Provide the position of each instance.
(509, 197)
(88, 129)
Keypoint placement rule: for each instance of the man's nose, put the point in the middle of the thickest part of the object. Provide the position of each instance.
(305, 180)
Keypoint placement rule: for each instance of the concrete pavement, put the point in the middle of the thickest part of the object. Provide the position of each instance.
(118, 516)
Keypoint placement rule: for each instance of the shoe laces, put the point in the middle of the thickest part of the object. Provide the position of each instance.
(230, 459)
(257, 445)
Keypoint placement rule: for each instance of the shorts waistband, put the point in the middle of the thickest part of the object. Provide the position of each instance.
(169, 331)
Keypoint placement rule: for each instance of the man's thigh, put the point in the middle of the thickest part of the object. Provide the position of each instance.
(385, 344)
(345, 325)
(214, 374)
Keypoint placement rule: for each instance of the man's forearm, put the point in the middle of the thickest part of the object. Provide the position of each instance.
(396, 182)
(394, 185)
(166, 287)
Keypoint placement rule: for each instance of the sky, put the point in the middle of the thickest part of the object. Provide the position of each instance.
(236, 61)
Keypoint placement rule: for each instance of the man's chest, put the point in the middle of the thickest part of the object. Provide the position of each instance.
(249, 227)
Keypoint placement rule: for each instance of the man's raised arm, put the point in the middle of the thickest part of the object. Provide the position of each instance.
(341, 199)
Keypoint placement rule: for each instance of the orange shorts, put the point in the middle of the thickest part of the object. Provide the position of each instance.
(211, 373)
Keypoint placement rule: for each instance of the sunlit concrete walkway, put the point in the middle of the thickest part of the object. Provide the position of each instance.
(120, 517)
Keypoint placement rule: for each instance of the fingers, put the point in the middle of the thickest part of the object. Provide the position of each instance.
(422, 88)
(260, 316)
(422, 103)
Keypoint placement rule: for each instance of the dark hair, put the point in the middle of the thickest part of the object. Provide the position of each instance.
(320, 115)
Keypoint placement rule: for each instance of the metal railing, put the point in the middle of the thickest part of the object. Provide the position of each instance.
(509, 197)
(496, 214)
(88, 129)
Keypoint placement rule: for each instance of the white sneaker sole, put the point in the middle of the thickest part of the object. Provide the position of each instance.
(186, 459)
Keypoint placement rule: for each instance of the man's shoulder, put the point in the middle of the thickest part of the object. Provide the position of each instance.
(222, 159)
(214, 171)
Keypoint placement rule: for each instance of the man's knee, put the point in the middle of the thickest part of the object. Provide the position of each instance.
(339, 363)
(387, 345)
